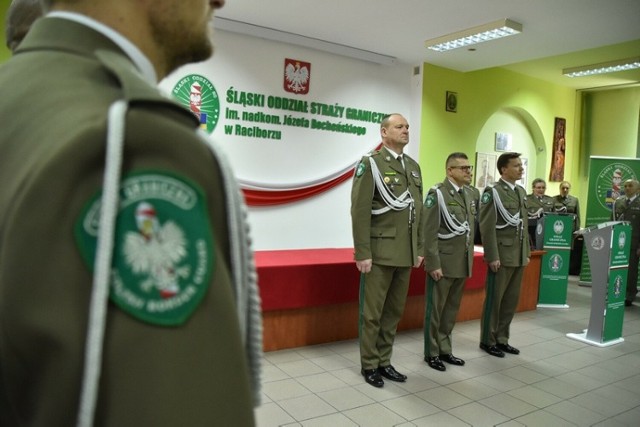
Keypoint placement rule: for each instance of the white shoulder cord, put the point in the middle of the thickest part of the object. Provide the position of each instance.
(510, 220)
(536, 214)
(396, 203)
(244, 271)
(102, 266)
(451, 223)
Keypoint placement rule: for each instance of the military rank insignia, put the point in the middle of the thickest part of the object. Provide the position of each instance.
(163, 256)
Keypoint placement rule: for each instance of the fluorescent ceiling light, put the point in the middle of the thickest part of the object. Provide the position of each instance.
(603, 68)
(299, 40)
(481, 33)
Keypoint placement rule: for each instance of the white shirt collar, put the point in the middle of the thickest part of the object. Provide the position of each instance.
(139, 59)
(512, 186)
(454, 185)
(393, 153)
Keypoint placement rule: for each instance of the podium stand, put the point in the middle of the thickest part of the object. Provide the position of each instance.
(553, 235)
(608, 250)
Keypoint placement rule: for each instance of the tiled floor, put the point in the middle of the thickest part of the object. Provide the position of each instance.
(555, 381)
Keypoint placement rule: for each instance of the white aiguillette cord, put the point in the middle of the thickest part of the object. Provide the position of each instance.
(102, 264)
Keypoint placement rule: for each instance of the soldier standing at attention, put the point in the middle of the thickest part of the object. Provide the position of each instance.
(627, 208)
(386, 208)
(537, 204)
(449, 225)
(566, 203)
(503, 226)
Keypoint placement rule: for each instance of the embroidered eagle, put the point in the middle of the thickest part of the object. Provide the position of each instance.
(155, 250)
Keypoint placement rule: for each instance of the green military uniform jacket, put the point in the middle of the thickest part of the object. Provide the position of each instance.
(393, 238)
(625, 210)
(510, 244)
(454, 255)
(534, 204)
(52, 148)
(570, 205)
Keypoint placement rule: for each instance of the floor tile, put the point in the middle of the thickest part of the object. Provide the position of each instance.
(375, 415)
(555, 381)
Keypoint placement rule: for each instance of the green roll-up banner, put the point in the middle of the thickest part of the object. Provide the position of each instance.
(554, 269)
(606, 175)
(617, 286)
(607, 245)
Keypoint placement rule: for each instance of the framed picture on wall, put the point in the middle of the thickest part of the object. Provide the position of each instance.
(557, 161)
(451, 102)
(525, 165)
(503, 141)
(485, 170)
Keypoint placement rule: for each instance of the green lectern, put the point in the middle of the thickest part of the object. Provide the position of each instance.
(608, 250)
(553, 235)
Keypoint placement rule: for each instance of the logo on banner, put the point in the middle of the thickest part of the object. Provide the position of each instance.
(558, 227)
(617, 285)
(597, 243)
(555, 263)
(297, 76)
(609, 183)
(622, 239)
(199, 95)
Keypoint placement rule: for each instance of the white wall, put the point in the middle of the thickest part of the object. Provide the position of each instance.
(302, 156)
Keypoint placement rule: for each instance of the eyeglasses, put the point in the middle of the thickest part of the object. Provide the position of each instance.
(464, 168)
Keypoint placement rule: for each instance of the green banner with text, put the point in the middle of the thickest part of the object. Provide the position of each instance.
(554, 274)
(606, 176)
(618, 265)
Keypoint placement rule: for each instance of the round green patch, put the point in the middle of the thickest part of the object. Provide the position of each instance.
(431, 201)
(360, 170)
(486, 197)
(163, 256)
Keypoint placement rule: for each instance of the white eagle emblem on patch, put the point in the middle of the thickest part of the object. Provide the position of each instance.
(156, 250)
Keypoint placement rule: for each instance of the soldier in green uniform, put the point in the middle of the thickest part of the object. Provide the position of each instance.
(386, 212)
(503, 225)
(127, 288)
(566, 203)
(627, 208)
(537, 204)
(449, 226)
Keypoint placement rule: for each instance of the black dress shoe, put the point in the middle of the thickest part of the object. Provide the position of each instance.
(390, 373)
(435, 363)
(372, 376)
(508, 349)
(628, 303)
(451, 359)
(492, 350)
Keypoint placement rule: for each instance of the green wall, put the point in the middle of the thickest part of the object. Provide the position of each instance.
(612, 118)
(483, 94)
(599, 123)
(4, 52)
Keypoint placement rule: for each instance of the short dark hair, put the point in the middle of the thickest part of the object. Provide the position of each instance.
(456, 155)
(538, 181)
(504, 158)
